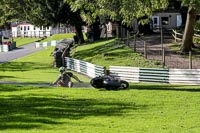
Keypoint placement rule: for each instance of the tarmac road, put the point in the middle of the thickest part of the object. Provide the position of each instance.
(18, 52)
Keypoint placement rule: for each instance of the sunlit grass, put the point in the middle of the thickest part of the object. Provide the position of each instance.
(23, 41)
(142, 108)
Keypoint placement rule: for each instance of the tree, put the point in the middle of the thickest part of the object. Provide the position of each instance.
(55, 12)
(187, 40)
(42, 13)
(10, 11)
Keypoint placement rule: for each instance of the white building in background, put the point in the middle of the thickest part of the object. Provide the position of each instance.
(29, 30)
(170, 20)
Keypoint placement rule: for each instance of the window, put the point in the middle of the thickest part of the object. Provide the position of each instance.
(165, 20)
(155, 20)
(34, 28)
(28, 28)
(21, 27)
(24, 28)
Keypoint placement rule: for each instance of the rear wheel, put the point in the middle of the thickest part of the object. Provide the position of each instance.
(124, 85)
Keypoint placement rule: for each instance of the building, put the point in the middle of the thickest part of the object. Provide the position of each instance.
(168, 21)
(29, 30)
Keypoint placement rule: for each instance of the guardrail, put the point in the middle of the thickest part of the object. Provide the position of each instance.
(45, 44)
(153, 75)
(136, 74)
(184, 76)
(7, 47)
(83, 67)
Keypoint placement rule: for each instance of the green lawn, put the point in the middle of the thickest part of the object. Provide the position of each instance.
(61, 37)
(151, 108)
(58, 37)
(23, 41)
(34, 68)
(143, 108)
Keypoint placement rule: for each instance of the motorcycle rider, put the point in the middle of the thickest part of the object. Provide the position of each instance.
(64, 79)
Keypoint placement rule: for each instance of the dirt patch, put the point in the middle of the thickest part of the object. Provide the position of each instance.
(154, 52)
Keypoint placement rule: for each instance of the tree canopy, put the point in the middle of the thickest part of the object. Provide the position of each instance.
(56, 11)
(124, 10)
(78, 12)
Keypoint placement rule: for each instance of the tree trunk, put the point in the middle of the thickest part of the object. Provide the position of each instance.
(189, 31)
(96, 30)
(79, 34)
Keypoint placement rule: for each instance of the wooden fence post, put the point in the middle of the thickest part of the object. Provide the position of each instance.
(190, 60)
(175, 35)
(134, 43)
(163, 57)
(145, 50)
(127, 37)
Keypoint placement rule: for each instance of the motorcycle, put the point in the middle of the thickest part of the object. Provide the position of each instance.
(109, 83)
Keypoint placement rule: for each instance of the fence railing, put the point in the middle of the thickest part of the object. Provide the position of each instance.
(178, 36)
(152, 49)
(156, 75)
(85, 68)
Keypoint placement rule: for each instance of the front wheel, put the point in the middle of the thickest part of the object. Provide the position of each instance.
(96, 82)
(124, 85)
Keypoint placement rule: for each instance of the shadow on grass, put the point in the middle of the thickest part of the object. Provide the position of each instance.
(34, 110)
(165, 87)
(21, 66)
(6, 77)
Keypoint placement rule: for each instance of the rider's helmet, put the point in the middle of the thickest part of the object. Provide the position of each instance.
(61, 69)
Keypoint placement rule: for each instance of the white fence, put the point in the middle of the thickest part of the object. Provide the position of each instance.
(31, 34)
(130, 74)
(156, 75)
(83, 67)
(184, 76)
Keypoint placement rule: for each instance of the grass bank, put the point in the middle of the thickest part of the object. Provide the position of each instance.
(112, 52)
(143, 108)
